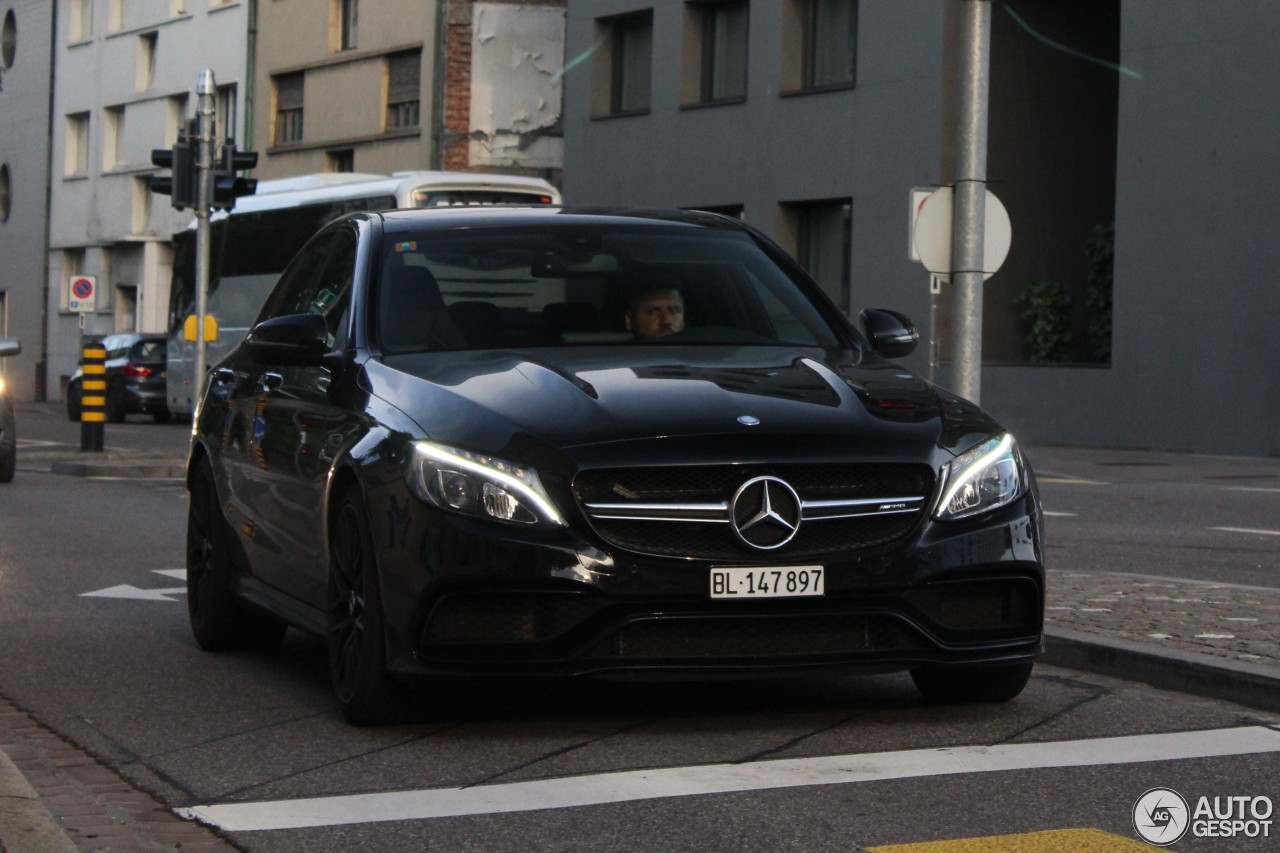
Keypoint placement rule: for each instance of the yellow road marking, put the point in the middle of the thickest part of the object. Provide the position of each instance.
(1049, 841)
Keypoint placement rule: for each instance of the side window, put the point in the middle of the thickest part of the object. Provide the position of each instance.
(332, 293)
(298, 283)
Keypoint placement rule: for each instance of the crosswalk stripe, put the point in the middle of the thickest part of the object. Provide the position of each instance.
(626, 786)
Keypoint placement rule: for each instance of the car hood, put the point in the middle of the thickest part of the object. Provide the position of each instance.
(670, 403)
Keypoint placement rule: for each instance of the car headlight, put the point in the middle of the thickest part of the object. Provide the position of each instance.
(984, 477)
(478, 485)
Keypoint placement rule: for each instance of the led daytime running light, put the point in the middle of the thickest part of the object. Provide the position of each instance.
(969, 466)
(517, 480)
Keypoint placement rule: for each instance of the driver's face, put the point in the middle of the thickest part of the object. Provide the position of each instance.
(657, 314)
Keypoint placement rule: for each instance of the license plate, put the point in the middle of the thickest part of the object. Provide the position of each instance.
(767, 582)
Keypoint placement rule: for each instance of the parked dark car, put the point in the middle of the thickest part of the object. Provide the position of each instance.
(8, 421)
(135, 379)
(447, 447)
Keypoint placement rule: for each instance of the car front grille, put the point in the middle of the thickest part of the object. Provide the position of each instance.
(690, 511)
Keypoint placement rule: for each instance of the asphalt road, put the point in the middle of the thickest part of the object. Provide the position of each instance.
(97, 649)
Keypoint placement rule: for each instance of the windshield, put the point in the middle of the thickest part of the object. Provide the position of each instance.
(566, 286)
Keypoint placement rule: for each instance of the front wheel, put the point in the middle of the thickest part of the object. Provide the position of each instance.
(357, 651)
(971, 684)
(219, 621)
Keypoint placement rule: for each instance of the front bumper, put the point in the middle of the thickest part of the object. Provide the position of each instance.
(461, 600)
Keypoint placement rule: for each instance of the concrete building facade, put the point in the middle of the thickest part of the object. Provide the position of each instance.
(26, 41)
(1135, 308)
(397, 85)
(125, 81)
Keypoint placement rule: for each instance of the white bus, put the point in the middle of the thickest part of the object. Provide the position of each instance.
(251, 245)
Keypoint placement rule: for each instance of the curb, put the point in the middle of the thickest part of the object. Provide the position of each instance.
(123, 468)
(1211, 677)
(25, 824)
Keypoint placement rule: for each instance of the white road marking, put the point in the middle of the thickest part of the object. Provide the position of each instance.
(1060, 514)
(126, 590)
(1250, 489)
(1247, 530)
(628, 786)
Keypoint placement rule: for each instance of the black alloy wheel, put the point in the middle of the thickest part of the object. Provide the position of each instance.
(73, 402)
(219, 621)
(357, 664)
(971, 684)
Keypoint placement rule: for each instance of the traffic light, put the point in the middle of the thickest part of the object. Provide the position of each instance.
(180, 160)
(227, 187)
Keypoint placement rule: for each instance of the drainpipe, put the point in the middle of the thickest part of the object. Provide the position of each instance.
(251, 75)
(438, 84)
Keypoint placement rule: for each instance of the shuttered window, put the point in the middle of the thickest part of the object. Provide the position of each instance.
(289, 92)
(404, 85)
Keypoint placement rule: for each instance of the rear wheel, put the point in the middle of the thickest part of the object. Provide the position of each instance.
(9, 466)
(219, 621)
(357, 651)
(968, 684)
(162, 416)
(73, 402)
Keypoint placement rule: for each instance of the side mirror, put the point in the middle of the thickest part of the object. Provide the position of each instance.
(891, 334)
(9, 346)
(298, 339)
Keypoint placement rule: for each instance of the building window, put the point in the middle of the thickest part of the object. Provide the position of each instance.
(820, 44)
(6, 197)
(347, 21)
(141, 205)
(823, 235)
(225, 111)
(76, 159)
(113, 156)
(403, 89)
(115, 16)
(623, 70)
(146, 70)
(174, 118)
(721, 45)
(342, 160)
(80, 21)
(289, 91)
(8, 40)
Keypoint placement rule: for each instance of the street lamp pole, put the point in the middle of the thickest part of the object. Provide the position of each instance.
(969, 210)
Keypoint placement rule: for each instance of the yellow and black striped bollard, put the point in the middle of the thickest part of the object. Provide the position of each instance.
(93, 397)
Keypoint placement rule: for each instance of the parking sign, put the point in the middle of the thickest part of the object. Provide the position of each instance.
(83, 294)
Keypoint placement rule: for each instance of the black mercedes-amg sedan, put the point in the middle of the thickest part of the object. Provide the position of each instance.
(514, 442)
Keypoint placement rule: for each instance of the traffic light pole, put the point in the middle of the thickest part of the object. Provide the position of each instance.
(206, 91)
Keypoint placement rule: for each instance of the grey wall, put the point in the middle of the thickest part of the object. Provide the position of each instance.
(1196, 188)
(24, 148)
(1196, 349)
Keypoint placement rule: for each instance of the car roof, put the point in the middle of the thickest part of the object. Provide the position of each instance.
(499, 216)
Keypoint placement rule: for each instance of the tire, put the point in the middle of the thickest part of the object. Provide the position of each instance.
(9, 466)
(115, 408)
(219, 621)
(73, 402)
(971, 684)
(357, 651)
(162, 417)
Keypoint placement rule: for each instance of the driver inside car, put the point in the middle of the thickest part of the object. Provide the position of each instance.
(655, 313)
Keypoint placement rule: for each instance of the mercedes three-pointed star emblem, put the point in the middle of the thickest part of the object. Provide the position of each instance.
(765, 513)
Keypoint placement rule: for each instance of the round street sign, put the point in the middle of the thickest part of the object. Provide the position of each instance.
(82, 293)
(933, 233)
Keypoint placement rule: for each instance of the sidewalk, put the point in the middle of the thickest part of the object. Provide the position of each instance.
(1210, 639)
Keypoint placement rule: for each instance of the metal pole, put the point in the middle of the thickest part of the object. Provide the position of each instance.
(969, 211)
(206, 91)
